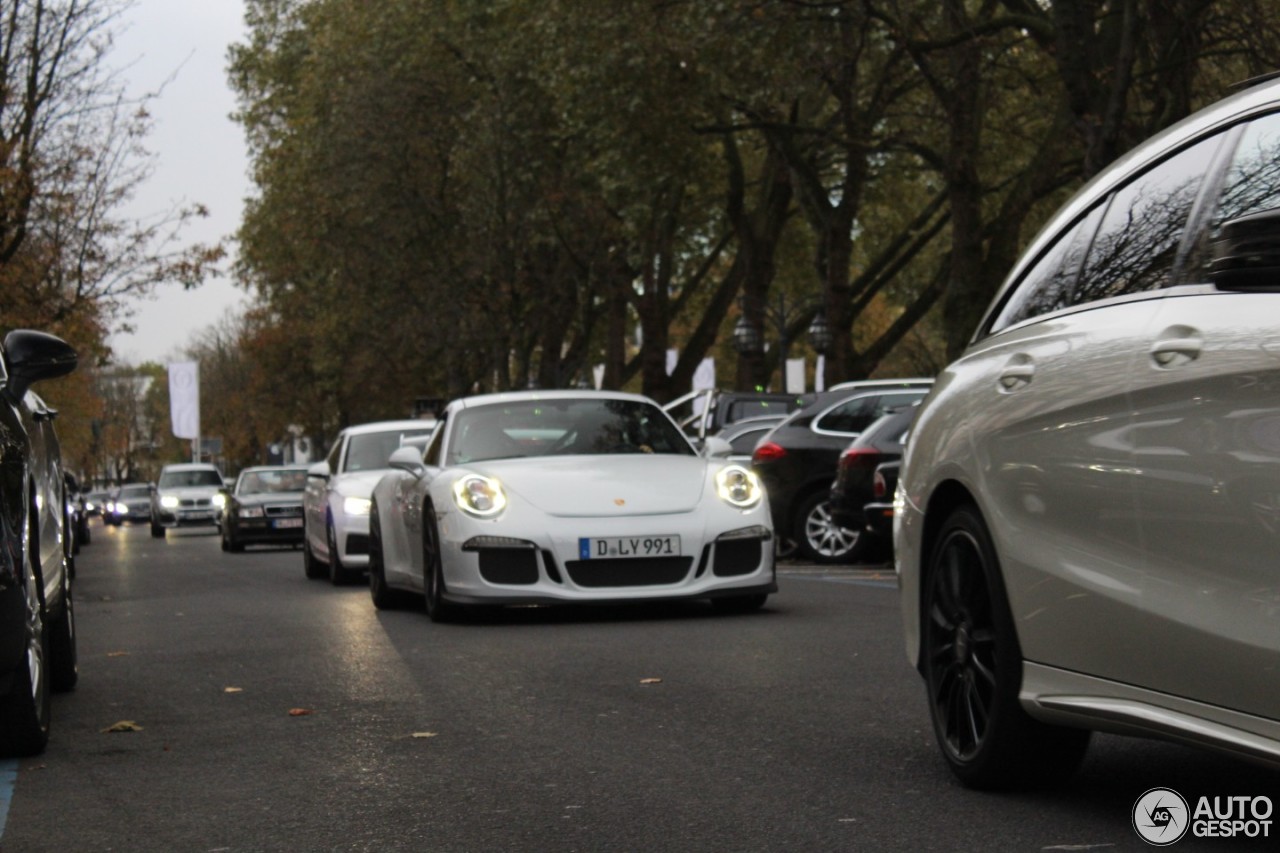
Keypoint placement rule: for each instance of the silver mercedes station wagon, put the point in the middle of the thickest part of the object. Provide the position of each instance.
(1088, 519)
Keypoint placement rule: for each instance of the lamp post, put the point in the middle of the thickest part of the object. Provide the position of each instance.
(748, 340)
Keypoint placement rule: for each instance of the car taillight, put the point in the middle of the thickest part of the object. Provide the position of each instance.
(878, 486)
(859, 457)
(768, 452)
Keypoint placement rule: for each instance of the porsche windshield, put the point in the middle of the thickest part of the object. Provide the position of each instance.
(562, 427)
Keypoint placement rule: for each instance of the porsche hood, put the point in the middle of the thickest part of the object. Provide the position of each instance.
(603, 486)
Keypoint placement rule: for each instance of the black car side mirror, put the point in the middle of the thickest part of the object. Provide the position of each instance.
(31, 356)
(1246, 254)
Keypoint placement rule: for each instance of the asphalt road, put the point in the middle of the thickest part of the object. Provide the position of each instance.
(276, 713)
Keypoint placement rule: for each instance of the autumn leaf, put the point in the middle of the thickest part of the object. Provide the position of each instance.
(123, 726)
(651, 681)
(233, 690)
(299, 712)
(117, 654)
(424, 734)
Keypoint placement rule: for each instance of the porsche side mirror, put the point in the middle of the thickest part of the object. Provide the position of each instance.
(715, 447)
(409, 459)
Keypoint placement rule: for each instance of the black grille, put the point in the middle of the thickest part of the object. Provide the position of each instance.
(357, 543)
(284, 511)
(737, 557)
(553, 572)
(635, 571)
(190, 502)
(509, 565)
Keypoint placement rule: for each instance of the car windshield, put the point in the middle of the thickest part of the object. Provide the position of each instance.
(370, 450)
(134, 492)
(271, 481)
(182, 479)
(562, 427)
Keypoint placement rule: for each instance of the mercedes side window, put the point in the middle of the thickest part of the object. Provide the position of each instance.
(846, 417)
(1048, 285)
(1138, 240)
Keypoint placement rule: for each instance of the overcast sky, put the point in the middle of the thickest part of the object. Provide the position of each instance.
(200, 154)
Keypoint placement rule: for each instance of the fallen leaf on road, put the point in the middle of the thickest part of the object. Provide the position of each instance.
(424, 734)
(299, 712)
(117, 654)
(651, 681)
(233, 690)
(123, 726)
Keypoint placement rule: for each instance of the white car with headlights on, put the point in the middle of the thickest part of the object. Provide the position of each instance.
(559, 497)
(188, 494)
(335, 504)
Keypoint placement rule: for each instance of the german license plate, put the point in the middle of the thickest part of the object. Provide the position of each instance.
(286, 522)
(629, 546)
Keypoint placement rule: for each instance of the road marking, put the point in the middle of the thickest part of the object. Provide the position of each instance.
(882, 578)
(8, 778)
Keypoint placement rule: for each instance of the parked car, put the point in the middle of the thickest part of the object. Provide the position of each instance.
(797, 462)
(562, 497)
(130, 502)
(264, 507)
(336, 500)
(744, 435)
(707, 412)
(878, 513)
(1088, 529)
(77, 514)
(188, 494)
(854, 485)
(37, 615)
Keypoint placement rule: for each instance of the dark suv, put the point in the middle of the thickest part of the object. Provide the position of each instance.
(797, 462)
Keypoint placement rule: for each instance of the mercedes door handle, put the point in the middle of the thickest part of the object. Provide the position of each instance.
(1015, 375)
(1176, 349)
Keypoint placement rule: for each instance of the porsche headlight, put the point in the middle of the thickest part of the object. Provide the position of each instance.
(738, 487)
(356, 506)
(479, 496)
(168, 502)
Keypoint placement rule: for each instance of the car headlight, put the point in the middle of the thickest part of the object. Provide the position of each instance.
(168, 502)
(356, 506)
(739, 487)
(479, 496)
(219, 500)
(252, 511)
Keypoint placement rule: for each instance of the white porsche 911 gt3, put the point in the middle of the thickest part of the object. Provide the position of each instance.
(563, 497)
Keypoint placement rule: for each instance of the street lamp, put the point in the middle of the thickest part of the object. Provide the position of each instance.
(820, 337)
(746, 337)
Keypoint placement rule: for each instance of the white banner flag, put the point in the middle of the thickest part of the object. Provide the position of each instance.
(184, 398)
(795, 376)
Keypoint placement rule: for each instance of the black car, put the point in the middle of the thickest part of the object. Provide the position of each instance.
(265, 507)
(130, 502)
(797, 462)
(879, 512)
(77, 513)
(854, 485)
(37, 621)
